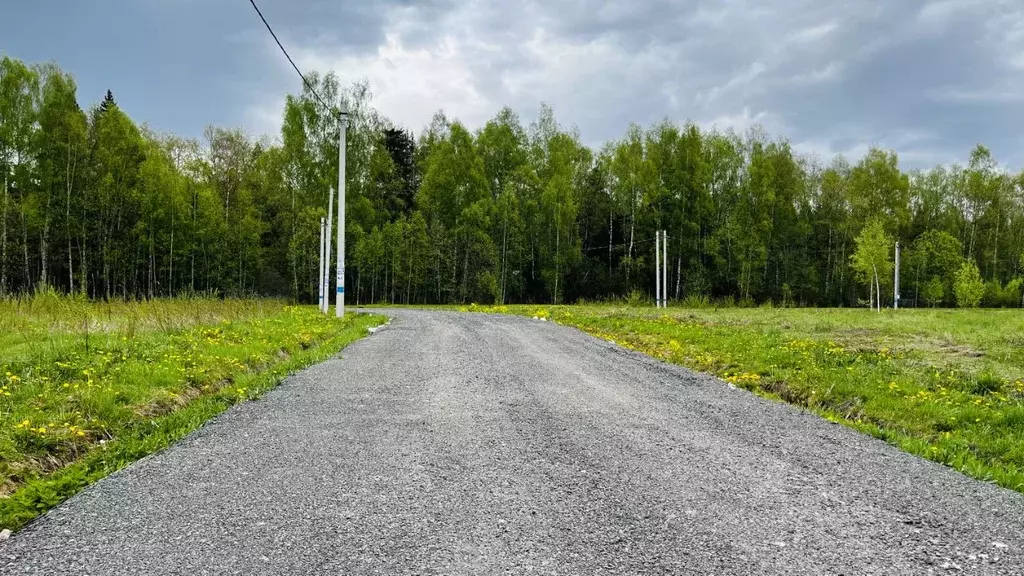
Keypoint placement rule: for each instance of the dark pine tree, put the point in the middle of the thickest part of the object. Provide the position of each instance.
(108, 102)
(402, 149)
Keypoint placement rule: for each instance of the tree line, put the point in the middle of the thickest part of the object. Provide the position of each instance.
(96, 204)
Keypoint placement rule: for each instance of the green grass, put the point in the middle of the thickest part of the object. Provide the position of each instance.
(87, 388)
(947, 385)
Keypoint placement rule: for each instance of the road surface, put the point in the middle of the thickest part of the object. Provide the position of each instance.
(475, 444)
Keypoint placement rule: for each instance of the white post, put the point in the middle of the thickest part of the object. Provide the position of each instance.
(896, 282)
(320, 283)
(326, 274)
(664, 268)
(657, 269)
(342, 125)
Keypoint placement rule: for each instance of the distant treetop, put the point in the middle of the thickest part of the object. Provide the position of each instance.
(108, 101)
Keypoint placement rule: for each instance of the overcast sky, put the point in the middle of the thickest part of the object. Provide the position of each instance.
(927, 78)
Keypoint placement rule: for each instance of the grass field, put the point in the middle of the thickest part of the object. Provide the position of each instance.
(947, 385)
(86, 388)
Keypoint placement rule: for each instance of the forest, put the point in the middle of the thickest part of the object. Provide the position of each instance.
(96, 204)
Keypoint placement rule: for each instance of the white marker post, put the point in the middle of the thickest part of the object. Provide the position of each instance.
(664, 268)
(342, 125)
(896, 282)
(657, 269)
(326, 272)
(323, 244)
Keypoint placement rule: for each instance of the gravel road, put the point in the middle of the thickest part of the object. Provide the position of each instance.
(475, 444)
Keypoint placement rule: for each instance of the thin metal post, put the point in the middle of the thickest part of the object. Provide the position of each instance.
(320, 283)
(327, 267)
(896, 283)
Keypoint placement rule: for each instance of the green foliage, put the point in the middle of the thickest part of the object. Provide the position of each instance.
(86, 388)
(787, 296)
(992, 295)
(638, 298)
(93, 203)
(872, 261)
(933, 292)
(935, 254)
(696, 301)
(880, 191)
(968, 286)
(1013, 293)
(998, 295)
(987, 383)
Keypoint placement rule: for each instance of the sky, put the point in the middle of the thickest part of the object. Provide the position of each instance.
(927, 78)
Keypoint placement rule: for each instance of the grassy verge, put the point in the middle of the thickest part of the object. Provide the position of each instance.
(947, 385)
(87, 388)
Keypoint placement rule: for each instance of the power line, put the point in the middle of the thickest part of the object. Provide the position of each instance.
(292, 62)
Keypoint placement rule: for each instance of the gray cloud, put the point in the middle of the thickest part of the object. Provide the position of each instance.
(929, 79)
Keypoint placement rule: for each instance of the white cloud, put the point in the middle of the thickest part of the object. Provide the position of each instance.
(942, 12)
(831, 71)
(979, 95)
(738, 82)
(814, 33)
(825, 150)
(266, 116)
(833, 77)
(915, 147)
(742, 121)
(410, 84)
(715, 18)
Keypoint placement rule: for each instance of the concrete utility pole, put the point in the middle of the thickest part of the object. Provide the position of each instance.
(342, 126)
(323, 261)
(896, 282)
(664, 268)
(325, 307)
(657, 269)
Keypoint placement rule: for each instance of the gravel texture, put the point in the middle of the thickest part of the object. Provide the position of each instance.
(455, 443)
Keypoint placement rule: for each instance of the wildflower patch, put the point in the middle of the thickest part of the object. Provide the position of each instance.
(70, 400)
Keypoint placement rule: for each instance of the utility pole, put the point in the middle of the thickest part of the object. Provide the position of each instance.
(896, 282)
(664, 268)
(325, 307)
(657, 269)
(342, 126)
(323, 261)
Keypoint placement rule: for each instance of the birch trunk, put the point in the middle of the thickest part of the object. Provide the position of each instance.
(3, 241)
(67, 223)
(878, 293)
(170, 258)
(611, 241)
(44, 242)
(679, 275)
(504, 253)
(24, 251)
(632, 230)
(558, 260)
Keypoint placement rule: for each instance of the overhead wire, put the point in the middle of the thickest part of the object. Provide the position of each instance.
(292, 62)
